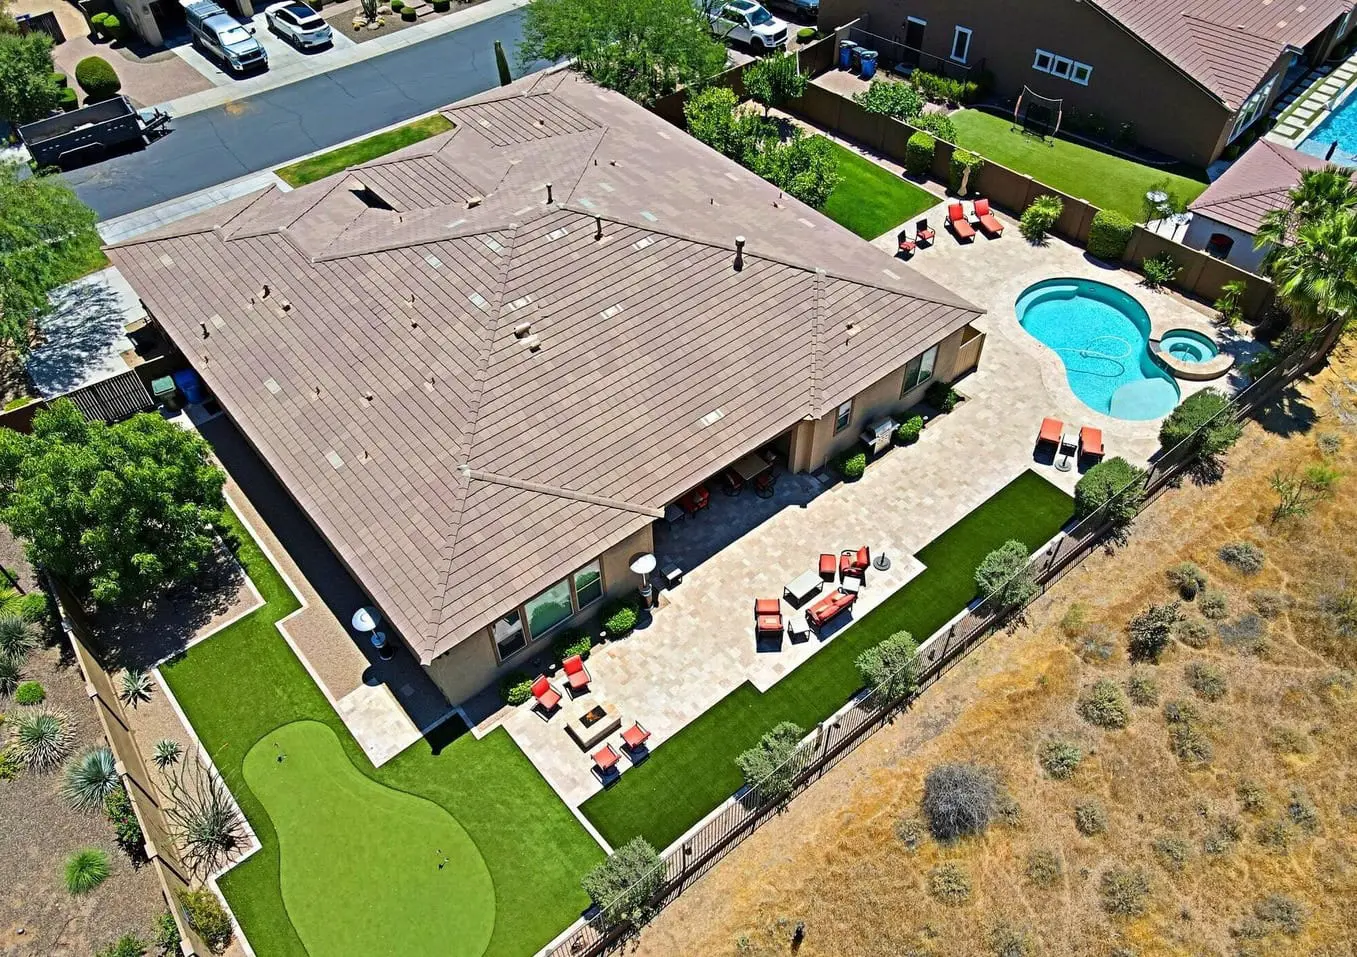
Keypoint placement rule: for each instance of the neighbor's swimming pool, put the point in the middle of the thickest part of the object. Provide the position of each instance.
(1101, 335)
(1340, 125)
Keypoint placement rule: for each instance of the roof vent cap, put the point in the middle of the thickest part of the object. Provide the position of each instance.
(739, 253)
(522, 329)
(473, 201)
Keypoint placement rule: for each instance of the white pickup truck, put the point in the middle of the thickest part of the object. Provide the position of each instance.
(746, 21)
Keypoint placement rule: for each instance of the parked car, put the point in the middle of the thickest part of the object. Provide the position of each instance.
(297, 23)
(223, 37)
(803, 10)
(746, 21)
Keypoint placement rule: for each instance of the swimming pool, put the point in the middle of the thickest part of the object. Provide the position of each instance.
(1188, 345)
(1101, 334)
(1340, 125)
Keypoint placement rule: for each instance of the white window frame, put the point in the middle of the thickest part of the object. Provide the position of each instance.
(1059, 63)
(521, 632)
(966, 53)
(1252, 108)
(1074, 73)
(1036, 60)
(843, 416)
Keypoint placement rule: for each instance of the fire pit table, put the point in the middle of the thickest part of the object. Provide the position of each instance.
(591, 720)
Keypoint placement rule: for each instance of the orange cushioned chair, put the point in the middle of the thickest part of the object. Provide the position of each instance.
(1091, 442)
(855, 563)
(988, 221)
(956, 221)
(1051, 430)
(548, 698)
(576, 673)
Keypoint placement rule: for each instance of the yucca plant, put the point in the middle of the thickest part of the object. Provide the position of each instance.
(86, 870)
(89, 779)
(41, 738)
(167, 753)
(202, 816)
(137, 686)
(17, 637)
(10, 674)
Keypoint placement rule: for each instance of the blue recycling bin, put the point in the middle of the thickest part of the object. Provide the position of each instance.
(191, 385)
(846, 49)
(868, 58)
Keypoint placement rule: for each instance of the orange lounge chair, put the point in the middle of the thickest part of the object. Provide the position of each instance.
(956, 221)
(576, 673)
(767, 616)
(605, 759)
(1091, 442)
(855, 563)
(988, 222)
(1051, 430)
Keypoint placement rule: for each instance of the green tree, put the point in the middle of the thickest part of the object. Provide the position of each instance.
(118, 511)
(1114, 483)
(44, 229)
(891, 668)
(891, 98)
(643, 49)
(1200, 420)
(28, 85)
(624, 885)
(712, 117)
(768, 764)
(774, 80)
(1005, 577)
(804, 166)
(1319, 194)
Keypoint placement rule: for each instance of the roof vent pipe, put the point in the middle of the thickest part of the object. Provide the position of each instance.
(739, 253)
(264, 291)
(549, 200)
(598, 228)
(205, 332)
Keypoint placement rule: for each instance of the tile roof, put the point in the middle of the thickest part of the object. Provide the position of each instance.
(1228, 46)
(1254, 185)
(469, 392)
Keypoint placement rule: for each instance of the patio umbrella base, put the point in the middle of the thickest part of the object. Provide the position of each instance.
(881, 563)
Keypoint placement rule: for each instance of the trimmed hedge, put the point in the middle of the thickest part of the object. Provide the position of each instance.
(907, 432)
(441, 6)
(619, 620)
(97, 78)
(941, 396)
(516, 687)
(963, 160)
(1109, 235)
(60, 79)
(851, 465)
(919, 154)
(69, 100)
(408, 14)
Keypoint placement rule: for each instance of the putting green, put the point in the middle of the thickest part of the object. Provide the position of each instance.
(366, 869)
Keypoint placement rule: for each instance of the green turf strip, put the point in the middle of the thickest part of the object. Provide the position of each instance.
(244, 683)
(694, 771)
(327, 164)
(871, 200)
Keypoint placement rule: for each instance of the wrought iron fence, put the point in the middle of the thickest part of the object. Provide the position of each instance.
(835, 738)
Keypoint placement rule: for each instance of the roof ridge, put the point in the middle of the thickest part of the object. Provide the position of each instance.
(816, 324)
(604, 500)
(1229, 27)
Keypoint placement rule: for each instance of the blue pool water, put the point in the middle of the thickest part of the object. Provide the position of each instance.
(1101, 335)
(1340, 125)
(1187, 345)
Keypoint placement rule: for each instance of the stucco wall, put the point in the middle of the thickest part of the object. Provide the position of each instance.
(1242, 253)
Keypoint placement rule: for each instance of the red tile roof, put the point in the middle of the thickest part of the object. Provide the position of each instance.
(1255, 184)
(390, 379)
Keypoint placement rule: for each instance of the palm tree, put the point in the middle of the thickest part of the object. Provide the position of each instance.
(1315, 275)
(1319, 193)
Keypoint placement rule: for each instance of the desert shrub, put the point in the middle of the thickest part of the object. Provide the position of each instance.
(1096, 645)
(118, 807)
(85, 870)
(1206, 680)
(939, 125)
(908, 431)
(17, 637)
(1244, 557)
(1302, 811)
(41, 738)
(1043, 868)
(203, 818)
(959, 800)
(1104, 705)
(135, 687)
(128, 945)
(1194, 634)
(1008, 810)
(1171, 852)
(1040, 217)
(890, 668)
(1109, 234)
(1225, 834)
(1075, 619)
(576, 643)
(851, 465)
(620, 618)
(1090, 818)
(1005, 940)
(919, 153)
(1116, 484)
(1059, 758)
(767, 765)
(1273, 835)
(1267, 602)
(623, 885)
(1189, 423)
(89, 779)
(30, 692)
(1214, 604)
(1285, 739)
(169, 752)
(97, 78)
(1329, 443)
(1160, 270)
(964, 168)
(1248, 633)
(1150, 632)
(911, 832)
(516, 687)
(1005, 578)
(950, 884)
(166, 934)
(205, 914)
(1280, 912)
(10, 766)
(941, 396)
(1188, 578)
(1187, 738)
(1123, 891)
(1252, 797)
(1141, 688)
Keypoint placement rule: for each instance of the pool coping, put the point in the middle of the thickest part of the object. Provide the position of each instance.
(1292, 130)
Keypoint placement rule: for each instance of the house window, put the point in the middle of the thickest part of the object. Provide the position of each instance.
(961, 44)
(588, 583)
(843, 417)
(1060, 66)
(1081, 73)
(1252, 107)
(919, 370)
(548, 609)
(508, 635)
(1043, 61)
(1219, 245)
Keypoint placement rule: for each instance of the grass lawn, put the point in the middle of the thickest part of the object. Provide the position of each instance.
(244, 684)
(319, 167)
(694, 771)
(1102, 179)
(870, 200)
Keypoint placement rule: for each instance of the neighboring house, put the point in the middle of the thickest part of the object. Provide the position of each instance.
(1226, 216)
(483, 366)
(1189, 77)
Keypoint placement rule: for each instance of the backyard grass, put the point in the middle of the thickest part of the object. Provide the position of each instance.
(319, 167)
(870, 200)
(1102, 179)
(244, 684)
(694, 771)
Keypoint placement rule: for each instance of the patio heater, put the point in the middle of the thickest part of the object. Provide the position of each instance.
(643, 565)
(365, 621)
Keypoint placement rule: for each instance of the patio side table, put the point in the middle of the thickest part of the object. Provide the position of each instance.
(797, 628)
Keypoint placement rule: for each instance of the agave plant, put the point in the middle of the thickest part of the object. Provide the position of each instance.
(17, 637)
(167, 753)
(137, 686)
(41, 738)
(10, 674)
(89, 779)
(86, 870)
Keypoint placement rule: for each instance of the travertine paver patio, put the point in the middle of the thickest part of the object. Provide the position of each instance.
(700, 645)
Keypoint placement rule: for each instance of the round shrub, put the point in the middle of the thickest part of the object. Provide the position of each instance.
(408, 14)
(574, 643)
(114, 26)
(97, 78)
(919, 154)
(1004, 577)
(1104, 705)
(963, 170)
(805, 33)
(1244, 557)
(1200, 420)
(516, 687)
(86, 870)
(1123, 891)
(1206, 680)
(1188, 578)
(619, 620)
(30, 692)
(1059, 758)
(1142, 689)
(1114, 483)
(1043, 868)
(1194, 634)
(100, 24)
(1090, 818)
(441, 6)
(851, 465)
(69, 100)
(942, 397)
(1040, 217)
(1109, 235)
(959, 799)
(949, 884)
(396, 6)
(1213, 605)
(940, 125)
(60, 79)
(907, 432)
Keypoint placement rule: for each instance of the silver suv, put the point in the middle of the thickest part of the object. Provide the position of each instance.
(223, 37)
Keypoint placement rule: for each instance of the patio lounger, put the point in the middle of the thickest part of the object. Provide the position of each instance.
(956, 221)
(635, 736)
(767, 616)
(828, 567)
(988, 222)
(855, 563)
(923, 233)
(576, 673)
(828, 607)
(906, 245)
(606, 758)
(1050, 432)
(548, 698)
(1091, 442)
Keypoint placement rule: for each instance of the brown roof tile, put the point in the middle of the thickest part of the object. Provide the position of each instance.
(1254, 185)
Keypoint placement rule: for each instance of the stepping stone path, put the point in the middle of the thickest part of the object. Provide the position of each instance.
(1302, 108)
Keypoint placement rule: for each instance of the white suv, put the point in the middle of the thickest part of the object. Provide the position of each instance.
(746, 21)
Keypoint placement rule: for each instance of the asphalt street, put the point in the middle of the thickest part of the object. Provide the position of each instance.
(267, 129)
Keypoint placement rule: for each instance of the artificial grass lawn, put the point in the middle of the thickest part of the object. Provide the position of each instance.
(694, 771)
(244, 683)
(319, 167)
(1106, 181)
(870, 200)
(414, 857)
